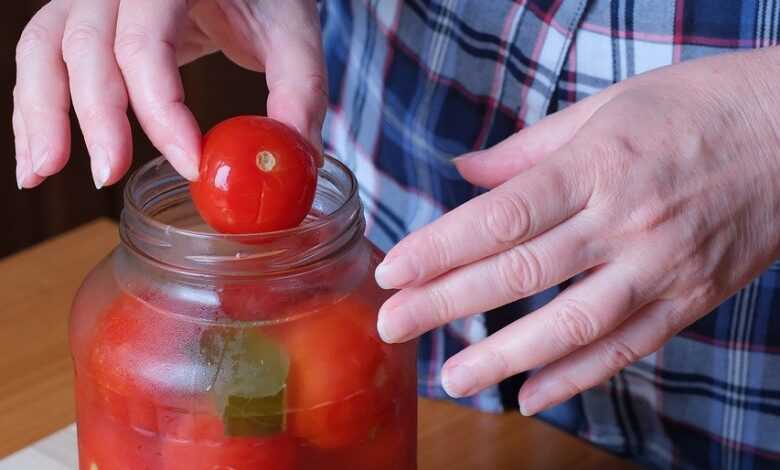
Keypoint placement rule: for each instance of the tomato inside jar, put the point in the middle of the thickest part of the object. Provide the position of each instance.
(201, 350)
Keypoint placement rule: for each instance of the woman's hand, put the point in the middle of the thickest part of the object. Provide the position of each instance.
(103, 53)
(664, 190)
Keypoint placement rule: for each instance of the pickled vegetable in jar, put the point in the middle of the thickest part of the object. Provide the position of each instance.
(197, 350)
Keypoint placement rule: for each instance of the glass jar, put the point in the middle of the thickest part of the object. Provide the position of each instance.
(196, 350)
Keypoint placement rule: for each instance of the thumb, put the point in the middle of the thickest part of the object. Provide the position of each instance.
(491, 167)
(296, 77)
(281, 38)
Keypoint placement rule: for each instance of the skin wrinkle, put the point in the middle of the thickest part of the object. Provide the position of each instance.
(150, 46)
(239, 42)
(687, 205)
(687, 215)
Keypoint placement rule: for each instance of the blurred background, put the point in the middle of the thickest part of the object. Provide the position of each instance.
(215, 89)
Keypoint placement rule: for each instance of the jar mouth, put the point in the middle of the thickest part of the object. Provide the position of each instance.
(160, 222)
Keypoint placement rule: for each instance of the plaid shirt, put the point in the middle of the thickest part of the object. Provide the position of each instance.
(414, 84)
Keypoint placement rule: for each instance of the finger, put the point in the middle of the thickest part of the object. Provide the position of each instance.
(146, 35)
(41, 92)
(97, 88)
(580, 315)
(568, 249)
(519, 210)
(295, 72)
(195, 43)
(230, 28)
(25, 178)
(645, 332)
(492, 167)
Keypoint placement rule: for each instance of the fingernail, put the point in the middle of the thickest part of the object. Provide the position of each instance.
(383, 329)
(530, 401)
(20, 174)
(101, 169)
(467, 156)
(458, 381)
(25, 178)
(38, 160)
(394, 273)
(183, 163)
(392, 325)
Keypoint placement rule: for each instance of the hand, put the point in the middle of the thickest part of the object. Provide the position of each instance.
(662, 190)
(103, 53)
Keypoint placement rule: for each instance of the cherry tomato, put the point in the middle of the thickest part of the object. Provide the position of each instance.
(199, 443)
(336, 363)
(256, 175)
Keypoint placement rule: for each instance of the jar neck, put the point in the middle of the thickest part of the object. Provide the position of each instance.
(161, 225)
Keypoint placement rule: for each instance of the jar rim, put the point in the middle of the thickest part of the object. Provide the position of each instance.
(132, 205)
(197, 251)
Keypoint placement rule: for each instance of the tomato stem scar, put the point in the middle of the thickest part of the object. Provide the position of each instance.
(265, 160)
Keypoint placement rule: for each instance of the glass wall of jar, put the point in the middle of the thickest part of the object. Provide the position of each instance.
(196, 350)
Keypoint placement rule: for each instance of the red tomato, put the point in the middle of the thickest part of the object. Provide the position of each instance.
(199, 443)
(108, 445)
(117, 330)
(388, 446)
(335, 368)
(391, 448)
(258, 301)
(256, 175)
(134, 350)
(111, 362)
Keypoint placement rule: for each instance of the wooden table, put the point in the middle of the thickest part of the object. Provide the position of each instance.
(36, 288)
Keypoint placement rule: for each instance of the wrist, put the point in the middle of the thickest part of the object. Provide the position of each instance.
(753, 95)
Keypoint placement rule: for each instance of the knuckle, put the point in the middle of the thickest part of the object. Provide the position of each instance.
(651, 214)
(79, 39)
(435, 248)
(23, 98)
(674, 321)
(570, 387)
(683, 311)
(315, 83)
(443, 310)
(624, 145)
(29, 103)
(95, 113)
(499, 361)
(520, 271)
(615, 355)
(128, 44)
(34, 36)
(131, 41)
(311, 89)
(695, 265)
(573, 326)
(507, 219)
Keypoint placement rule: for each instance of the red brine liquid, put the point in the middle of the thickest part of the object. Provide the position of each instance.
(314, 388)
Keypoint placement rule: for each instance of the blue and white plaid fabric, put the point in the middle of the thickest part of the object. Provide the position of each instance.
(415, 83)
